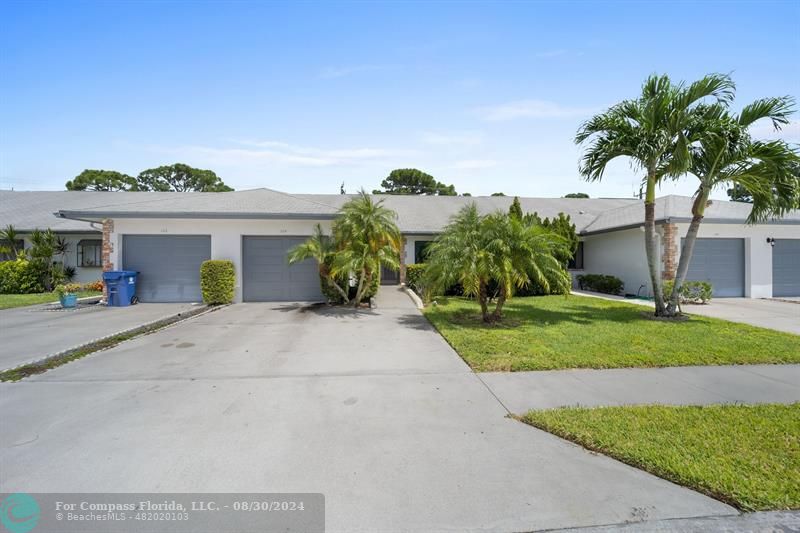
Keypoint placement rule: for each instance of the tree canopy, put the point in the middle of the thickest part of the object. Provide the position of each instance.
(101, 180)
(178, 177)
(413, 181)
(181, 178)
(576, 195)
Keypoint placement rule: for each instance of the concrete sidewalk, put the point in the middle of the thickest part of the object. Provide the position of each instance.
(691, 385)
(35, 332)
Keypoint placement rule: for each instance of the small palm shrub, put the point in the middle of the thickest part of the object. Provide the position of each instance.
(364, 238)
(493, 257)
(217, 281)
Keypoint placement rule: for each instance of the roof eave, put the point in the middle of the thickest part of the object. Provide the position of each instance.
(97, 216)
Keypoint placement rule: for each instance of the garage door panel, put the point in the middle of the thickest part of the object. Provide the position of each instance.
(720, 262)
(168, 265)
(786, 267)
(268, 276)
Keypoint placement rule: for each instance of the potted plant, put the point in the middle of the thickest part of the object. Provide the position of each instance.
(68, 294)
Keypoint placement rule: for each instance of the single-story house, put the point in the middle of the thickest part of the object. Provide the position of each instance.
(165, 236)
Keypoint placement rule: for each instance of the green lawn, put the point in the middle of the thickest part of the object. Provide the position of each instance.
(551, 332)
(7, 301)
(745, 455)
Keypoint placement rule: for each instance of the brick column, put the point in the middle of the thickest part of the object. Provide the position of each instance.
(403, 260)
(107, 249)
(669, 255)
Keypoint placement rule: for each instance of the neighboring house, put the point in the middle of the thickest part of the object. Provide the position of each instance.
(165, 236)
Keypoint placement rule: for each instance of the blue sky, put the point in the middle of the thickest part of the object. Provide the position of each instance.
(302, 96)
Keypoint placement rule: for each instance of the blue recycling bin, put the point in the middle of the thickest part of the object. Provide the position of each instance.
(121, 287)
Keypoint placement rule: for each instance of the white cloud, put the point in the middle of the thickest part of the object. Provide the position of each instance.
(763, 129)
(474, 164)
(461, 138)
(284, 153)
(530, 109)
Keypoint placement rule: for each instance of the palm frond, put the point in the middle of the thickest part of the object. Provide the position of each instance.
(777, 109)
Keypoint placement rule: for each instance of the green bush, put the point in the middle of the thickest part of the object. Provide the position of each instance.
(692, 292)
(601, 283)
(21, 276)
(217, 280)
(414, 277)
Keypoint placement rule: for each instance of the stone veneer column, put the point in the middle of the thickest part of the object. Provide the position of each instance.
(403, 260)
(669, 256)
(107, 249)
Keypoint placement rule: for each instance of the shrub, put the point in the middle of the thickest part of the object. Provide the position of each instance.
(21, 276)
(217, 280)
(414, 276)
(601, 283)
(692, 292)
(96, 286)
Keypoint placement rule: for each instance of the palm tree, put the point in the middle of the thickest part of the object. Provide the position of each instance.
(496, 250)
(651, 132)
(726, 156)
(9, 234)
(319, 247)
(367, 238)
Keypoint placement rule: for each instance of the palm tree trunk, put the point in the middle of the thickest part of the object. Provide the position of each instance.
(698, 210)
(482, 299)
(650, 243)
(339, 289)
(498, 310)
(360, 290)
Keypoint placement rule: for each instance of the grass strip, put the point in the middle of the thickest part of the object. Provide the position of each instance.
(745, 455)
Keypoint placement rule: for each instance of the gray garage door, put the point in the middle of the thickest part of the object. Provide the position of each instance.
(168, 265)
(786, 267)
(268, 277)
(720, 261)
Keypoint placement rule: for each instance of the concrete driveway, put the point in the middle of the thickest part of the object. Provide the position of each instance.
(371, 408)
(773, 314)
(34, 332)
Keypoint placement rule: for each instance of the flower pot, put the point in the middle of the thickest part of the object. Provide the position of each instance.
(69, 300)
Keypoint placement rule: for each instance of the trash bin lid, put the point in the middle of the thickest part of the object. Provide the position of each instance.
(128, 273)
(113, 275)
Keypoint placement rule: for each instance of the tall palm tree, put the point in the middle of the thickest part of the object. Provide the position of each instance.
(650, 131)
(321, 248)
(367, 238)
(495, 250)
(727, 156)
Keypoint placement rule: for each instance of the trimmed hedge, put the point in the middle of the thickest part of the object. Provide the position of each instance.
(21, 276)
(601, 283)
(217, 281)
